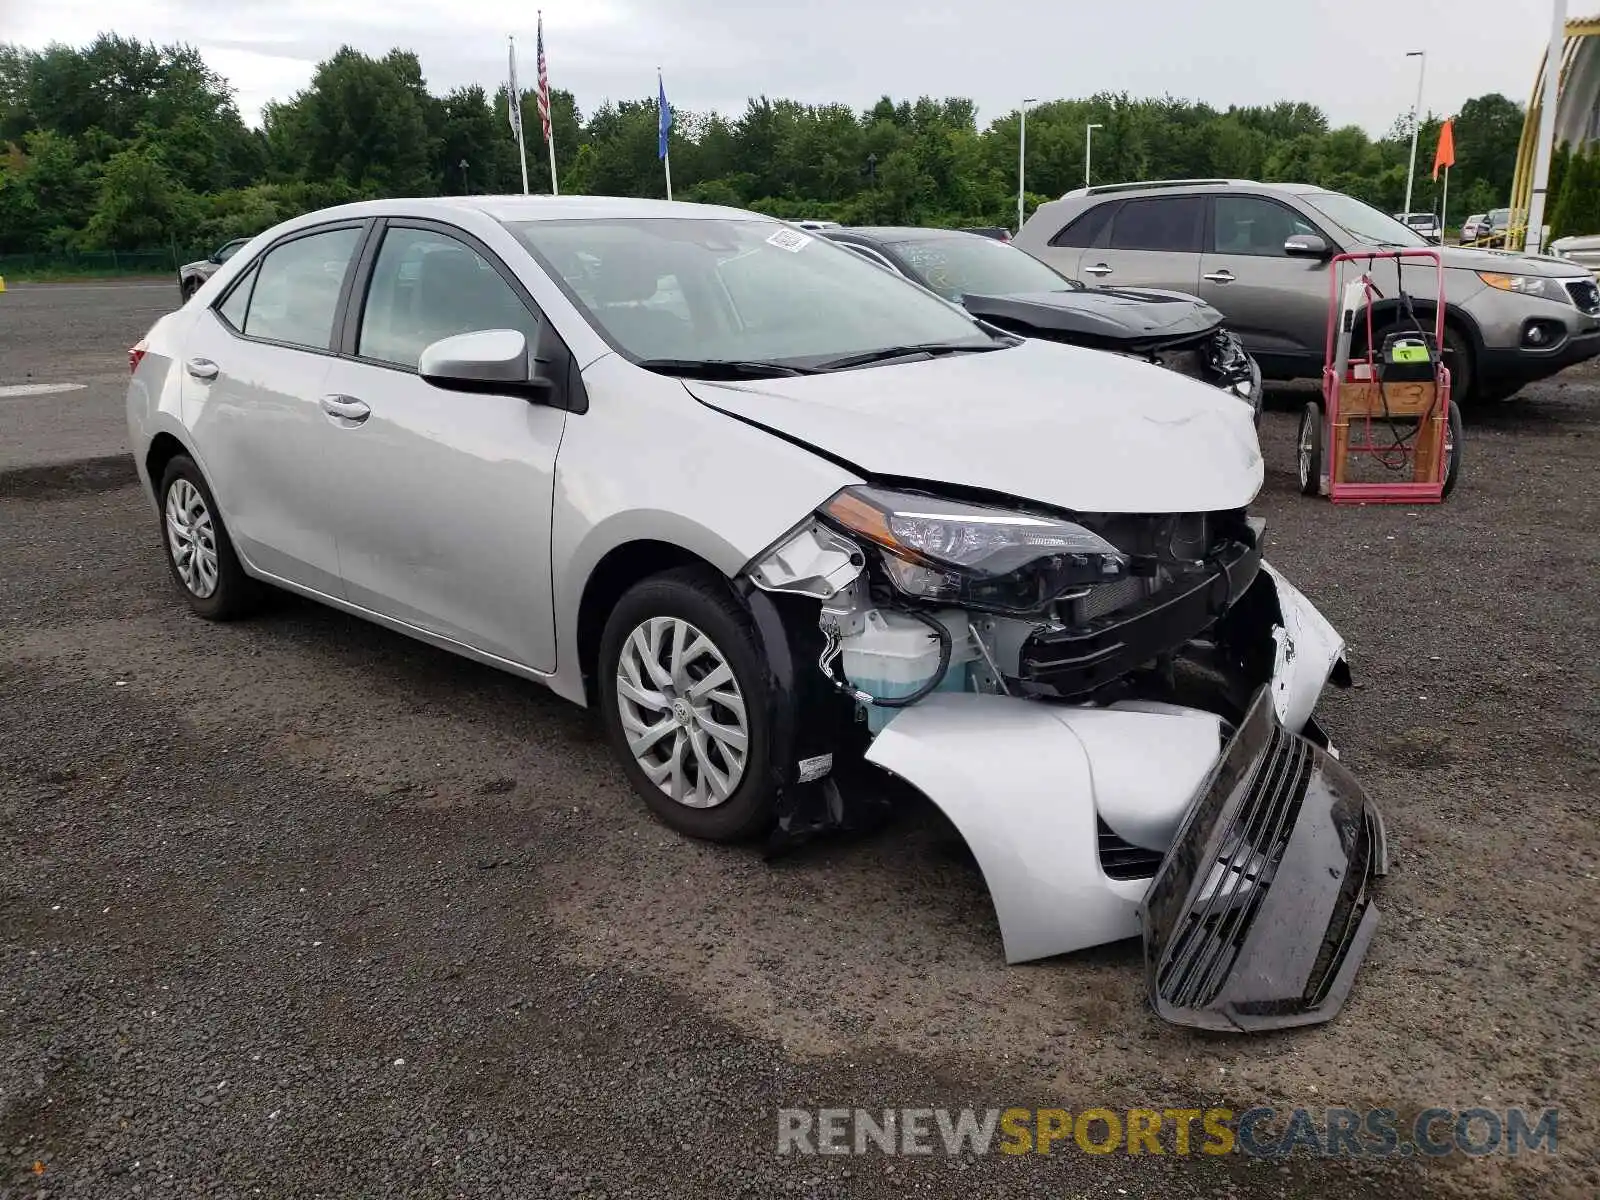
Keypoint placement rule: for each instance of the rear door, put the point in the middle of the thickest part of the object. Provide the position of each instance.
(1278, 305)
(1150, 242)
(255, 363)
(1065, 249)
(443, 498)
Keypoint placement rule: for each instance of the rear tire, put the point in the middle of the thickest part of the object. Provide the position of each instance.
(1309, 444)
(685, 701)
(1452, 450)
(199, 551)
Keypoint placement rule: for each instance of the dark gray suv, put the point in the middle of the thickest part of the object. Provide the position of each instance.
(1259, 253)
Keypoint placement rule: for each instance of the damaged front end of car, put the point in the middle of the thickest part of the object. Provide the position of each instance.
(1116, 713)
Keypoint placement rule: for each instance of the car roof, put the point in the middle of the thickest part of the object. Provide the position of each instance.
(1158, 186)
(541, 208)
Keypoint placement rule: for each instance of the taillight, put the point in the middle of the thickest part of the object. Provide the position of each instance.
(136, 354)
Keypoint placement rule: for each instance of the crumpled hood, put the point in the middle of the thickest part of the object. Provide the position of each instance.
(1060, 425)
(1136, 316)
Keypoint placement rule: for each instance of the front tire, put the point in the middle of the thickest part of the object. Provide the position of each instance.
(199, 551)
(685, 703)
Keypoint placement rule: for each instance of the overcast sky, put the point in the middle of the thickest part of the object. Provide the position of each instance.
(1347, 57)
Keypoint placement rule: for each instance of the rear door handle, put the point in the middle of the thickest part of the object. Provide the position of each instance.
(202, 368)
(1222, 276)
(346, 408)
(1097, 269)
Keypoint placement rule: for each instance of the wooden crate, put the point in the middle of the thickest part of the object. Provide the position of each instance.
(1406, 401)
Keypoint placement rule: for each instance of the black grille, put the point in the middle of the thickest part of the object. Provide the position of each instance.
(1124, 860)
(1585, 294)
(1203, 948)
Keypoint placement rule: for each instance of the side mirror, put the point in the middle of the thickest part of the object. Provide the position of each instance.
(1306, 245)
(494, 361)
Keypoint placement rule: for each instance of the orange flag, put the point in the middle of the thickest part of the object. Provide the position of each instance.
(1445, 155)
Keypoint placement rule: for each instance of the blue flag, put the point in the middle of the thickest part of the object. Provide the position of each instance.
(663, 118)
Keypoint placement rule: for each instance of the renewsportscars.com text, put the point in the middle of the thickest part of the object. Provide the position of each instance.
(1261, 1132)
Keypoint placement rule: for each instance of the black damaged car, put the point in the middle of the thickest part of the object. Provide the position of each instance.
(1008, 288)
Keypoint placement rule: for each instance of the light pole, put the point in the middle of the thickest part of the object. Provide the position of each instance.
(1088, 149)
(1416, 119)
(1022, 158)
(465, 190)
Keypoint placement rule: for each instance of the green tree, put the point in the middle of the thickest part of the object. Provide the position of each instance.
(140, 204)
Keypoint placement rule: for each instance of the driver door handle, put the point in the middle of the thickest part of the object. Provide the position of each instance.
(201, 368)
(1222, 276)
(346, 408)
(1097, 269)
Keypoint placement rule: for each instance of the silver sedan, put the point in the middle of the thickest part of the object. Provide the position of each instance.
(780, 515)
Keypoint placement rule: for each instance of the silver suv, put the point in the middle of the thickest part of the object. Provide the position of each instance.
(1259, 252)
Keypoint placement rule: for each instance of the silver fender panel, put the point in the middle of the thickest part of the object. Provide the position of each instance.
(1308, 648)
(1024, 783)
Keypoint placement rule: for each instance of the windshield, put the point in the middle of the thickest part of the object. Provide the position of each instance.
(1362, 221)
(746, 290)
(972, 265)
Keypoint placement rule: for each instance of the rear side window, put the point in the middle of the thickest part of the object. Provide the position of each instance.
(233, 309)
(1086, 229)
(1170, 223)
(296, 289)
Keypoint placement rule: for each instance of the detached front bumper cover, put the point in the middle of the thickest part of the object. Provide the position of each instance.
(1262, 910)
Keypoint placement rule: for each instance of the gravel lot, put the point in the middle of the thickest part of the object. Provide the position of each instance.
(301, 908)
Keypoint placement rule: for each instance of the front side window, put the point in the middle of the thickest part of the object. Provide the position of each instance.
(970, 265)
(1171, 223)
(229, 250)
(1253, 225)
(427, 286)
(296, 290)
(750, 289)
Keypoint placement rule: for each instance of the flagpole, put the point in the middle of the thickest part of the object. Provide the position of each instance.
(1444, 202)
(554, 190)
(666, 161)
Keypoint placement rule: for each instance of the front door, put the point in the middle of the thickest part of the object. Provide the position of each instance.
(258, 361)
(444, 498)
(1276, 303)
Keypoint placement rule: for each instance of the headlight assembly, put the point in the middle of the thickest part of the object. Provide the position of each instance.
(1526, 285)
(974, 555)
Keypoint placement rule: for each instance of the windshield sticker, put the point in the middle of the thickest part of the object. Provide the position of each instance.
(790, 240)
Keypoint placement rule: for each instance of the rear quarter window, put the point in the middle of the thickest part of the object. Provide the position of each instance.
(1085, 229)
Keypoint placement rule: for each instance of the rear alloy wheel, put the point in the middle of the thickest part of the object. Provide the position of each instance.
(1309, 447)
(683, 699)
(199, 551)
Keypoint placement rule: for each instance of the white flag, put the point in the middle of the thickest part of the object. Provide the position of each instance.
(514, 96)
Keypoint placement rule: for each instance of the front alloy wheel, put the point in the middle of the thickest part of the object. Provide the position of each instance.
(683, 712)
(687, 702)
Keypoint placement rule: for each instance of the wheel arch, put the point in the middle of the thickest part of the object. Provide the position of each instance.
(163, 448)
(619, 569)
(1455, 318)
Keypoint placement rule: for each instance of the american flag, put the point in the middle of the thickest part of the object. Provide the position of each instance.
(544, 85)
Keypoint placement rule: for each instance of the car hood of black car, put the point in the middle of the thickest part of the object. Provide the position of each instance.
(1133, 315)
